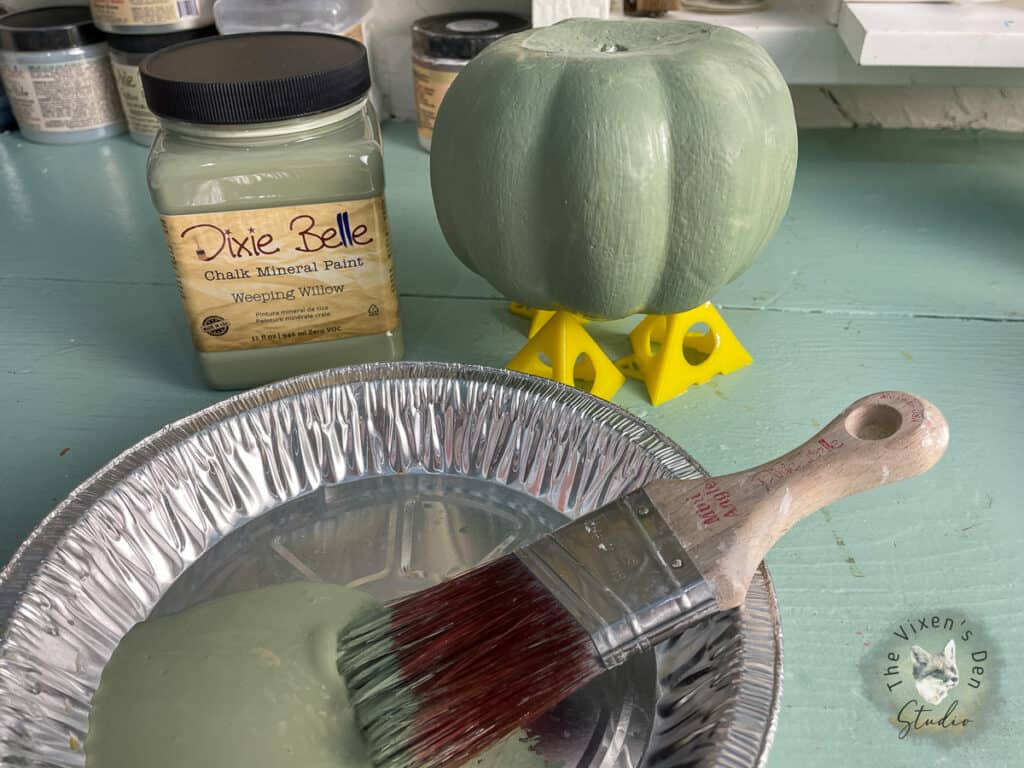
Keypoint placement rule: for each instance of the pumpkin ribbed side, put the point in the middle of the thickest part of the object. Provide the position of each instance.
(637, 180)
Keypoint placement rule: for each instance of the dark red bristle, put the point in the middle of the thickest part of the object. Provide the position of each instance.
(483, 654)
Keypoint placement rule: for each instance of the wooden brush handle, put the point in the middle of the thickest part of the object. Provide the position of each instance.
(727, 524)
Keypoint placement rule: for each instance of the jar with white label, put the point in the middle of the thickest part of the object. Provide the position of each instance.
(56, 72)
(126, 53)
(441, 47)
(151, 17)
(268, 177)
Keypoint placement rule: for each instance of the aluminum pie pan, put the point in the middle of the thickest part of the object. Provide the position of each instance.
(190, 511)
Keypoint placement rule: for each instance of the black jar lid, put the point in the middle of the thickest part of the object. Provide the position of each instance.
(48, 29)
(462, 35)
(154, 43)
(257, 77)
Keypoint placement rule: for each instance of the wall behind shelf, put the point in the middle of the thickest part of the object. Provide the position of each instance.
(910, 106)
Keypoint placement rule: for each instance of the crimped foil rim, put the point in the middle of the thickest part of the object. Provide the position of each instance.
(759, 694)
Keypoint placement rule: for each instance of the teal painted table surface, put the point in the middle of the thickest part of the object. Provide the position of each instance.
(899, 265)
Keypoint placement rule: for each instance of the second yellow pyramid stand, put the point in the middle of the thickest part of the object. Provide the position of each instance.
(670, 358)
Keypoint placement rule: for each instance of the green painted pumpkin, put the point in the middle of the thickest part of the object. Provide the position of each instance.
(614, 167)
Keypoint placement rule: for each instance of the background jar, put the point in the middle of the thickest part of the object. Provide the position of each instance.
(441, 47)
(6, 116)
(151, 17)
(126, 53)
(57, 76)
(269, 144)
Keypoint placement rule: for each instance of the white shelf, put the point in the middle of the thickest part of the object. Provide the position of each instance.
(795, 33)
(809, 50)
(933, 34)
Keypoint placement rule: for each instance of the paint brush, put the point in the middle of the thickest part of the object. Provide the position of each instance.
(445, 673)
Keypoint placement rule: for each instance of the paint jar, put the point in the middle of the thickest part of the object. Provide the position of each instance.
(57, 76)
(268, 177)
(151, 17)
(126, 53)
(6, 116)
(441, 47)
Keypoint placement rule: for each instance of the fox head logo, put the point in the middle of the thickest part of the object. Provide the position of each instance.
(935, 675)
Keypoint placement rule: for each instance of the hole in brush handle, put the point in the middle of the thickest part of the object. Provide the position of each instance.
(874, 422)
(727, 524)
(884, 437)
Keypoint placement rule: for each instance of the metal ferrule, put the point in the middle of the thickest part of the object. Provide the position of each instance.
(623, 575)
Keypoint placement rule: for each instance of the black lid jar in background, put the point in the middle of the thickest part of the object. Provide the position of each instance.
(126, 53)
(55, 70)
(269, 179)
(151, 17)
(441, 47)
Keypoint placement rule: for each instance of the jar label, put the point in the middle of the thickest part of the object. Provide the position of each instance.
(270, 277)
(129, 86)
(61, 97)
(146, 12)
(431, 86)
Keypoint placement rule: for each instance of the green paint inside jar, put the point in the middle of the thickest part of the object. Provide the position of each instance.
(268, 176)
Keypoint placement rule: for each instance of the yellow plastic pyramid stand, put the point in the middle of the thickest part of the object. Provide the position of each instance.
(684, 358)
(539, 317)
(573, 355)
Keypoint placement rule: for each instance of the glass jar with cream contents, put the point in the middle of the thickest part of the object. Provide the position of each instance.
(268, 177)
(441, 47)
(126, 53)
